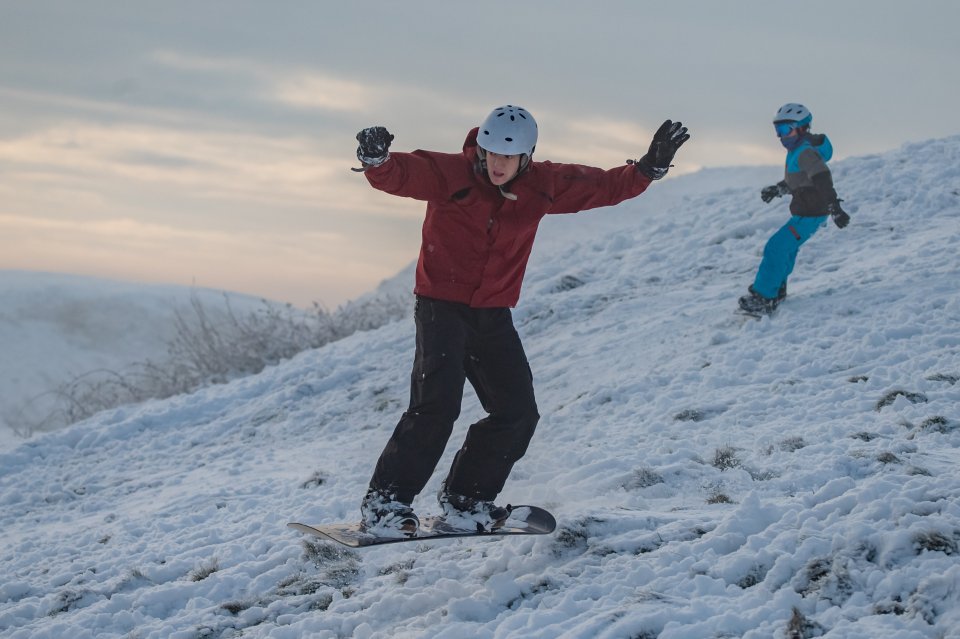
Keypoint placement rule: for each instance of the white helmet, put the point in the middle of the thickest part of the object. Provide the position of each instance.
(793, 112)
(508, 130)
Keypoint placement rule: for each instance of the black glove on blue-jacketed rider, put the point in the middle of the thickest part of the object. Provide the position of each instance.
(839, 216)
(777, 190)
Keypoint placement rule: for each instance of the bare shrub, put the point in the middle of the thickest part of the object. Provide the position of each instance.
(935, 541)
(725, 458)
(889, 398)
(643, 478)
(209, 346)
(202, 572)
(800, 627)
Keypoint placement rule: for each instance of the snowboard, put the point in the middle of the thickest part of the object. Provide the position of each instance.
(523, 520)
(742, 312)
(751, 315)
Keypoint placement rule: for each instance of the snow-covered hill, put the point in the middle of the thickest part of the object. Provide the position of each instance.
(56, 327)
(792, 477)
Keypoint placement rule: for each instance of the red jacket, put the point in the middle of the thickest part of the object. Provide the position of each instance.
(476, 242)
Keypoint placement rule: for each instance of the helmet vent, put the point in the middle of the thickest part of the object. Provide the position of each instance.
(508, 139)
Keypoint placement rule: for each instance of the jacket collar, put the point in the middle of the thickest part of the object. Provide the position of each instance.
(470, 144)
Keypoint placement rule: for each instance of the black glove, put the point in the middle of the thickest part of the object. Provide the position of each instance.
(770, 192)
(374, 146)
(668, 138)
(840, 217)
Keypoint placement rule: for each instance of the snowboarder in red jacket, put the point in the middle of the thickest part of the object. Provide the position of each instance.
(483, 208)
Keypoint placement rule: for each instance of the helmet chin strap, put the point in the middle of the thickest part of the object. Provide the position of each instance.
(507, 194)
(525, 160)
(482, 159)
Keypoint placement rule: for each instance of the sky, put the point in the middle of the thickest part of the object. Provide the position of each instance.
(210, 143)
(712, 476)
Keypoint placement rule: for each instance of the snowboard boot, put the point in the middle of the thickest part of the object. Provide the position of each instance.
(756, 304)
(782, 293)
(463, 511)
(383, 513)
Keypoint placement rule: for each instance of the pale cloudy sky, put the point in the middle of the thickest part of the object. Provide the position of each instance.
(210, 143)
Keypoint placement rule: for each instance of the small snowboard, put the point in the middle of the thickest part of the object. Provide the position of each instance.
(742, 312)
(750, 315)
(523, 520)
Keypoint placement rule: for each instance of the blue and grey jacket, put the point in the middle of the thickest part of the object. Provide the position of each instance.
(808, 178)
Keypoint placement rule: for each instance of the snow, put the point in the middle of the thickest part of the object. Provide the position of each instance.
(55, 327)
(711, 476)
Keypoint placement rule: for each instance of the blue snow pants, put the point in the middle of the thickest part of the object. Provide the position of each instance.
(780, 253)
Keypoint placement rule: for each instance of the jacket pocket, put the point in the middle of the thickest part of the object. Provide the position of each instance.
(465, 197)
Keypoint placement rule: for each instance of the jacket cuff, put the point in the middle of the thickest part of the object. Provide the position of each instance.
(653, 172)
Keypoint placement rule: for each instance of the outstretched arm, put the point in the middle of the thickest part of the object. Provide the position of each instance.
(579, 188)
(415, 175)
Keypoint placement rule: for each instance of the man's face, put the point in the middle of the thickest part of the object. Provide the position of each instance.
(502, 168)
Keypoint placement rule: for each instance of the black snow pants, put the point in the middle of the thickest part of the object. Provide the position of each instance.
(456, 343)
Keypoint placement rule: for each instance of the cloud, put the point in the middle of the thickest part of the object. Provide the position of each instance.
(297, 87)
(313, 91)
(593, 141)
(608, 142)
(197, 63)
(132, 249)
(131, 232)
(180, 201)
(195, 163)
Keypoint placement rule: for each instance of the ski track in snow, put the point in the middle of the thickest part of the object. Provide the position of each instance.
(712, 476)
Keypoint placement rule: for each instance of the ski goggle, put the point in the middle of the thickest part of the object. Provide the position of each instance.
(784, 128)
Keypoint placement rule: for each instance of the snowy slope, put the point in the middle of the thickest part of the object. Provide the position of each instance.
(792, 477)
(56, 327)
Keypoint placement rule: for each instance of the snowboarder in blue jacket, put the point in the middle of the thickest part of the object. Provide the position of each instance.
(808, 180)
